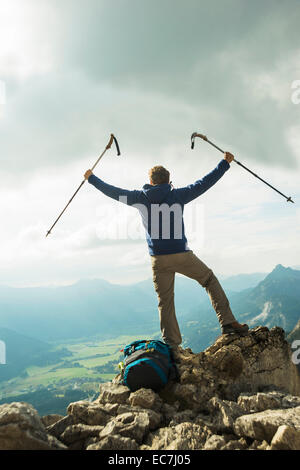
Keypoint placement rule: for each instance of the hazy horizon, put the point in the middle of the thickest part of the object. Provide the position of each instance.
(220, 276)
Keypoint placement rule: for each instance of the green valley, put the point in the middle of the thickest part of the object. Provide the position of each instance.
(51, 387)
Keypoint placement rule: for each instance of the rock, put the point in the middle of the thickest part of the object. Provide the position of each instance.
(86, 412)
(286, 438)
(113, 393)
(266, 362)
(79, 432)
(233, 365)
(55, 444)
(115, 442)
(235, 444)
(258, 445)
(214, 442)
(228, 360)
(260, 402)
(224, 413)
(48, 420)
(240, 393)
(146, 398)
(184, 436)
(288, 401)
(181, 417)
(262, 426)
(59, 426)
(132, 425)
(155, 419)
(111, 408)
(22, 429)
(188, 396)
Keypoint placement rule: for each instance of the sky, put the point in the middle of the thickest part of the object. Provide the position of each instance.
(72, 72)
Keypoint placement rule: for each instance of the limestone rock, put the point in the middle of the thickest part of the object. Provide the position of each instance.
(79, 432)
(288, 401)
(235, 365)
(260, 401)
(262, 426)
(286, 438)
(57, 428)
(181, 417)
(214, 442)
(48, 420)
(155, 419)
(235, 444)
(224, 413)
(259, 445)
(184, 436)
(86, 412)
(132, 425)
(113, 393)
(240, 393)
(146, 398)
(22, 429)
(114, 442)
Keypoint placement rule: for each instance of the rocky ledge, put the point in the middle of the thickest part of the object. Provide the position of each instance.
(240, 393)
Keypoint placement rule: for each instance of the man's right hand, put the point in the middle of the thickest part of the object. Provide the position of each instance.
(87, 174)
(228, 157)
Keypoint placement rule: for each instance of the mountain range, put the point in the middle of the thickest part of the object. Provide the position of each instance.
(274, 301)
(97, 307)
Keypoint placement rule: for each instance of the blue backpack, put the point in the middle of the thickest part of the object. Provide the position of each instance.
(148, 364)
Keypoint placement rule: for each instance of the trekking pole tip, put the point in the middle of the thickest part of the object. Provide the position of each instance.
(289, 199)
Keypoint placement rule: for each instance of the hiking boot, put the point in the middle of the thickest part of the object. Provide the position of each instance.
(238, 328)
(176, 353)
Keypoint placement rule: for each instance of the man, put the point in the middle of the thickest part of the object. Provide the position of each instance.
(161, 207)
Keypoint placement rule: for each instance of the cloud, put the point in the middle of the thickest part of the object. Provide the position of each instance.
(25, 30)
(74, 72)
(153, 78)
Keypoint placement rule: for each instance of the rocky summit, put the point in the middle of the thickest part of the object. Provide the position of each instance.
(240, 393)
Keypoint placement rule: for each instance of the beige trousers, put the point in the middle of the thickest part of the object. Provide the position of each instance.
(164, 268)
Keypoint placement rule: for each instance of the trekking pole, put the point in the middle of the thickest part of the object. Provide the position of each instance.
(195, 134)
(111, 140)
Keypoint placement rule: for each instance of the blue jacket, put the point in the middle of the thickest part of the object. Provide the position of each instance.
(161, 207)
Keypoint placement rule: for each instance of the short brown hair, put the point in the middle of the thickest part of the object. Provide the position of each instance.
(159, 175)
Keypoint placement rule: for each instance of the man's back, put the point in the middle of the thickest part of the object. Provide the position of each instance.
(161, 208)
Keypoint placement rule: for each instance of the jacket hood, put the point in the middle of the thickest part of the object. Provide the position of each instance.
(158, 193)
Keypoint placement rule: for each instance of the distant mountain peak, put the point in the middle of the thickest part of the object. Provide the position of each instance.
(281, 272)
(281, 268)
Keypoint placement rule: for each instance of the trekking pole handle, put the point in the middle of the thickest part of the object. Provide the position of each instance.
(194, 135)
(111, 140)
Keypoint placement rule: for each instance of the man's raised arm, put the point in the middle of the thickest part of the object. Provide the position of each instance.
(127, 196)
(194, 190)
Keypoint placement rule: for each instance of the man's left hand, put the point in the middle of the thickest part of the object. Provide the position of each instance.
(87, 174)
(228, 157)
